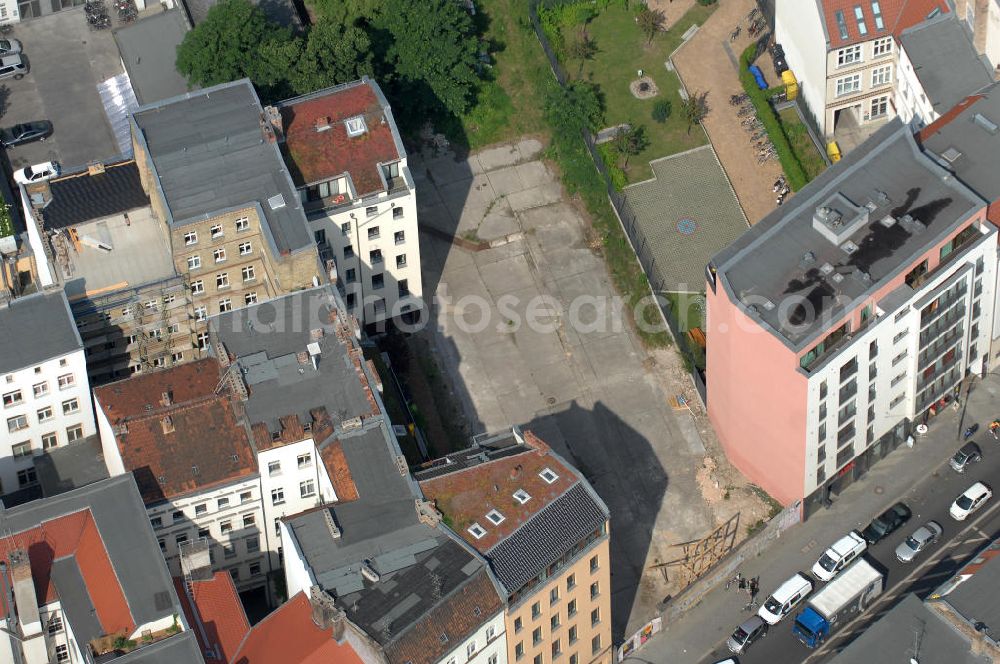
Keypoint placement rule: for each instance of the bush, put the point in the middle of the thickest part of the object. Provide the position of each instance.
(610, 157)
(706, 3)
(661, 110)
(772, 124)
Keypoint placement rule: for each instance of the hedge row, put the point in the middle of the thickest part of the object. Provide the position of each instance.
(760, 99)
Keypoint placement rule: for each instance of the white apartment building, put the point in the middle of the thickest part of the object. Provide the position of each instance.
(347, 160)
(46, 394)
(844, 56)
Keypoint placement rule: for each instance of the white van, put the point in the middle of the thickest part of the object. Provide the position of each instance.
(839, 556)
(781, 602)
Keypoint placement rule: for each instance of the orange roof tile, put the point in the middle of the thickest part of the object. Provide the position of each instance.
(465, 496)
(897, 16)
(339, 472)
(288, 635)
(189, 441)
(219, 612)
(317, 155)
(948, 116)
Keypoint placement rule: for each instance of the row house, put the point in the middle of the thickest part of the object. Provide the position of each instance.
(46, 394)
(847, 317)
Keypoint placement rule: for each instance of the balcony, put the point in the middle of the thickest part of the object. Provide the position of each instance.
(944, 304)
(939, 347)
(943, 325)
(940, 369)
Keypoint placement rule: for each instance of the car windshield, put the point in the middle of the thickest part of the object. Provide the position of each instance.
(28, 173)
(964, 502)
(773, 605)
(827, 563)
(960, 458)
(740, 635)
(912, 543)
(879, 526)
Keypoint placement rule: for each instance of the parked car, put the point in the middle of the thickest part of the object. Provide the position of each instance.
(970, 501)
(921, 538)
(839, 556)
(746, 634)
(26, 132)
(9, 46)
(780, 603)
(37, 172)
(965, 457)
(886, 523)
(12, 66)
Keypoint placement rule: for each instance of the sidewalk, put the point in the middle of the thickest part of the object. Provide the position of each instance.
(702, 629)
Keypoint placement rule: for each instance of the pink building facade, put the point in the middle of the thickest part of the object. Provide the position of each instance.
(846, 317)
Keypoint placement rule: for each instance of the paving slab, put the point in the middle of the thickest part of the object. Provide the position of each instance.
(545, 194)
(505, 180)
(499, 157)
(498, 223)
(529, 148)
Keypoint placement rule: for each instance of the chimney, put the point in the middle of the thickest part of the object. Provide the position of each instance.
(166, 398)
(325, 613)
(980, 25)
(275, 127)
(168, 424)
(95, 168)
(322, 123)
(28, 619)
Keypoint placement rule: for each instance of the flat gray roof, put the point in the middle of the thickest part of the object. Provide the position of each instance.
(267, 338)
(149, 48)
(969, 144)
(71, 466)
(976, 597)
(945, 61)
(126, 534)
(210, 156)
(892, 638)
(35, 328)
(798, 278)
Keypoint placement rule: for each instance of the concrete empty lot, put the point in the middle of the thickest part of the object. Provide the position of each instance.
(592, 394)
(67, 60)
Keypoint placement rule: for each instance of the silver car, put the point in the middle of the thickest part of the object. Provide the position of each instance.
(751, 630)
(921, 538)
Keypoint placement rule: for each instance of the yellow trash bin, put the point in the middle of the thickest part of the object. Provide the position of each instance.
(791, 84)
(833, 151)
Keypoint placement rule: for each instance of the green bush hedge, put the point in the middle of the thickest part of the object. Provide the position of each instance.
(796, 175)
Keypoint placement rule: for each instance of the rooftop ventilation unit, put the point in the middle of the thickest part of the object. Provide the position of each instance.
(882, 197)
(825, 269)
(888, 221)
(808, 259)
(330, 525)
(985, 123)
(837, 278)
(369, 572)
(768, 305)
(950, 155)
(276, 202)
(838, 219)
(849, 247)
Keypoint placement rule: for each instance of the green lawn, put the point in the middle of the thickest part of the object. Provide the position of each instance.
(507, 107)
(622, 51)
(802, 145)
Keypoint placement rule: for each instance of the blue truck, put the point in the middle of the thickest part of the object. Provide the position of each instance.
(838, 602)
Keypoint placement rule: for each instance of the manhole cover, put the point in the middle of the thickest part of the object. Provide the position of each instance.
(551, 400)
(879, 489)
(686, 226)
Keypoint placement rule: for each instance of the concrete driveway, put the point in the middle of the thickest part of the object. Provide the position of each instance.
(588, 387)
(67, 61)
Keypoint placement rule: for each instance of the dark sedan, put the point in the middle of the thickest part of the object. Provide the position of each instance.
(886, 523)
(26, 132)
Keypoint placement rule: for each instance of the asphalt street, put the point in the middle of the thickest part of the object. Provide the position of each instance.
(929, 500)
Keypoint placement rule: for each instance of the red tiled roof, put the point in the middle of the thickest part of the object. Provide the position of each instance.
(192, 443)
(456, 617)
(339, 472)
(74, 535)
(288, 635)
(316, 156)
(897, 15)
(948, 116)
(220, 613)
(465, 496)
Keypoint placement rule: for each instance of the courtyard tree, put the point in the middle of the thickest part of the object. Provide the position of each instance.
(695, 108)
(582, 49)
(333, 54)
(661, 110)
(572, 109)
(650, 22)
(629, 141)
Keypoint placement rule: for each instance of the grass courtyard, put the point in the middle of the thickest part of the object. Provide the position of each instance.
(622, 50)
(802, 145)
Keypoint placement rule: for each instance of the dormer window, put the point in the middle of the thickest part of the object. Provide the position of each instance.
(522, 496)
(495, 517)
(355, 126)
(548, 475)
(477, 531)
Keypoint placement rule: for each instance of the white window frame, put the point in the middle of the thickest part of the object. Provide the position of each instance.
(882, 75)
(495, 517)
(477, 531)
(225, 305)
(522, 496)
(548, 475)
(882, 47)
(848, 85)
(200, 313)
(197, 287)
(194, 261)
(219, 255)
(882, 101)
(355, 126)
(190, 238)
(850, 55)
(216, 231)
(245, 248)
(66, 381)
(250, 298)
(249, 273)
(222, 280)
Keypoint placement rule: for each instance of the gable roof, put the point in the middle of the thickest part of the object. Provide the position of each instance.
(896, 16)
(559, 515)
(37, 328)
(317, 146)
(209, 155)
(93, 549)
(215, 614)
(289, 635)
(189, 443)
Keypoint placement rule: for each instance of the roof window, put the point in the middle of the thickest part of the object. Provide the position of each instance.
(841, 25)
(859, 15)
(495, 517)
(522, 496)
(355, 126)
(477, 531)
(548, 475)
(877, 13)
